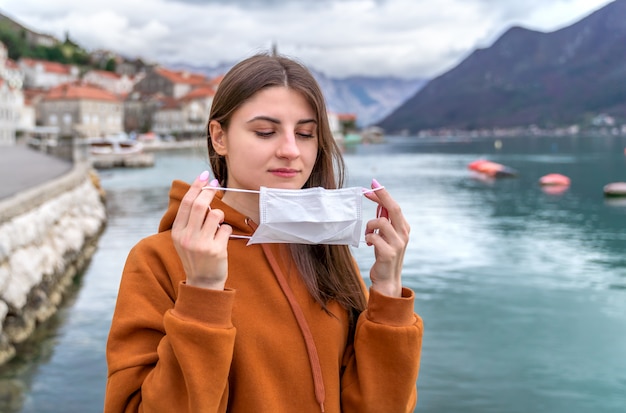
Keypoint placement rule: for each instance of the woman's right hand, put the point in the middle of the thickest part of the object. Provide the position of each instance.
(200, 238)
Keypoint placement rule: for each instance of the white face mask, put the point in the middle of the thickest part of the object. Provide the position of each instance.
(309, 216)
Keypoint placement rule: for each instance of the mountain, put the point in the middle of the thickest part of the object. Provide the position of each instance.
(528, 77)
(370, 98)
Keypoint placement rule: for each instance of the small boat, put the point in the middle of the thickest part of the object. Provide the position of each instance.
(373, 134)
(491, 169)
(615, 189)
(554, 180)
(108, 146)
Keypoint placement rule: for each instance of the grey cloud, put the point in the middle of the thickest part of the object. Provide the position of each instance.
(256, 4)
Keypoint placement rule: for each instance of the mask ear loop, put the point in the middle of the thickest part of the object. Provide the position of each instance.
(379, 209)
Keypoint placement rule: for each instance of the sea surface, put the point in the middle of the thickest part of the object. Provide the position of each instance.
(522, 292)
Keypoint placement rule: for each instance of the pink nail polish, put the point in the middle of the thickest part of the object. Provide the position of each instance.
(204, 176)
(375, 184)
(214, 183)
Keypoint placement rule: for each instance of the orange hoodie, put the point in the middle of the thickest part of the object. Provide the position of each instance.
(257, 346)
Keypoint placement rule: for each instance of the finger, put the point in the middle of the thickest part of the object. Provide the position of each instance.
(182, 216)
(201, 206)
(393, 210)
(380, 226)
(381, 211)
(223, 233)
(214, 219)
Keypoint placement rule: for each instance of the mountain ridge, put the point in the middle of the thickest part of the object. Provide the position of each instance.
(527, 77)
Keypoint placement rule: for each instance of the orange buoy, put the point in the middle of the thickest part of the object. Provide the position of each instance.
(554, 180)
(475, 165)
(492, 169)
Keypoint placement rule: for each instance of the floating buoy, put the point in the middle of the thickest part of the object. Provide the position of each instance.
(615, 189)
(554, 184)
(554, 180)
(492, 169)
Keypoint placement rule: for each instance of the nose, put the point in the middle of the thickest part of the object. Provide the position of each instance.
(288, 147)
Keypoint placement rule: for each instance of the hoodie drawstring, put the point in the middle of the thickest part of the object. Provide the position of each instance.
(316, 368)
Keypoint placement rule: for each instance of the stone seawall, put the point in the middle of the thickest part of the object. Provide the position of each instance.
(47, 236)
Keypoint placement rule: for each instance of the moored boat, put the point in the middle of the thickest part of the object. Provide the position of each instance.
(109, 146)
(115, 152)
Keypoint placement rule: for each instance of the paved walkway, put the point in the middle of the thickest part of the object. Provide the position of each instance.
(24, 168)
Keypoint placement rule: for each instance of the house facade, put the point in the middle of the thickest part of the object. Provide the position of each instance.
(83, 110)
(11, 98)
(185, 117)
(139, 109)
(170, 82)
(115, 83)
(42, 74)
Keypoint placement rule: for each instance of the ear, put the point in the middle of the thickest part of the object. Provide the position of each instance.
(218, 137)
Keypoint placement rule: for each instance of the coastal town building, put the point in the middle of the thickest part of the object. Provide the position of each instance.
(28, 115)
(170, 82)
(43, 74)
(139, 109)
(11, 98)
(80, 109)
(115, 83)
(185, 117)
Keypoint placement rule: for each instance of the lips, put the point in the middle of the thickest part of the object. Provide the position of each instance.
(284, 172)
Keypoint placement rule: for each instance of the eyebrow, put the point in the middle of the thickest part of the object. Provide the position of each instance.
(278, 122)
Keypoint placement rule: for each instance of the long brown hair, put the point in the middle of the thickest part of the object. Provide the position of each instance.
(328, 271)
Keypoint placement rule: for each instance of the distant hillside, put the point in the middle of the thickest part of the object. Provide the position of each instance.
(370, 98)
(528, 77)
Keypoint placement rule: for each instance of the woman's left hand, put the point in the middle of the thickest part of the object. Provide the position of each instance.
(389, 234)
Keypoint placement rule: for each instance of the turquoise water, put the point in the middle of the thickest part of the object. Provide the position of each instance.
(523, 293)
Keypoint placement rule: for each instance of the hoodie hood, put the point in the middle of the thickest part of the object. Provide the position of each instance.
(241, 224)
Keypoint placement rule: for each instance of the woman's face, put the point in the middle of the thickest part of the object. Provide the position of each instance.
(271, 141)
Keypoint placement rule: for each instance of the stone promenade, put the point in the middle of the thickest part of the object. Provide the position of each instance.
(23, 168)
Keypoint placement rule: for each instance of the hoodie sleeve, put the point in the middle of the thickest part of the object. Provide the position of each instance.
(157, 347)
(382, 366)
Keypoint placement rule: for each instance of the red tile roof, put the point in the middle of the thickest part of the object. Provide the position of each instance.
(79, 91)
(215, 82)
(168, 102)
(182, 76)
(105, 73)
(346, 117)
(199, 93)
(49, 67)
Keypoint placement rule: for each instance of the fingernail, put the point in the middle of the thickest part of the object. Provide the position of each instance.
(214, 183)
(375, 184)
(204, 176)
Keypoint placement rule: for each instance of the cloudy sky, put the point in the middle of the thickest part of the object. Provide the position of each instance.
(406, 38)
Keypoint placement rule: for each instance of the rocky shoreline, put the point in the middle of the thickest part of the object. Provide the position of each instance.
(47, 236)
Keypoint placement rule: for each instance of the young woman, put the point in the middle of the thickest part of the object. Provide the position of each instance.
(206, 323)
